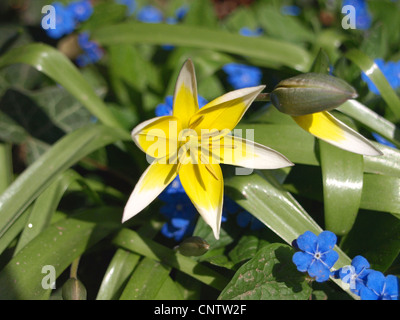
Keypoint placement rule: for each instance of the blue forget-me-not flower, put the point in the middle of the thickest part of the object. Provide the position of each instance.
(65, 22)
(379, 287)
(91, 50)
(81, 10)
(355, 275)
(317, 256)
(150, 14)
(242, 76)
(363, 16)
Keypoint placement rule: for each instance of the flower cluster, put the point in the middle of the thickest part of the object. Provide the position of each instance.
(67, 17)
(92, 52)
(369, 284)
(391, 71)
(363, 17)
(317, 257)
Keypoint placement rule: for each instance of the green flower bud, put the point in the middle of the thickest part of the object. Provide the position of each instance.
(193, 246)
(310, 93)
(73, 289)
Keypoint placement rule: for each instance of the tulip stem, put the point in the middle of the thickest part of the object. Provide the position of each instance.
(263, 97)
(73, 273)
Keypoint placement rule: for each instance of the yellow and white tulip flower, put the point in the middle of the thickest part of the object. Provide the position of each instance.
(192, 143)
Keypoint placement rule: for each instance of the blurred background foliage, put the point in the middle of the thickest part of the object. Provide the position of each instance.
(67, 164)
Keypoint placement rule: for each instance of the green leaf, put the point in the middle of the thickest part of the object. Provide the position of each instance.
(6, 166)
(57, 246)
(130, 240)
(342, 177)
(146, 281)
(50, 61)
(381, 193)
(201, 13)
(270, 275)
(44, 207)
(375, 236)
(62, 155)
(371, 120)
(270, 52)
(369, 67)
(169, 290)
(263, 197)
(246, 248)
(321, 63)
(117, 274)
(281, 26)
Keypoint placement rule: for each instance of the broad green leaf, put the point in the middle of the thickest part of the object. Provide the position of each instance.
(270, 52)
(342, 178)
(375, 236)
(368, 66)
(50, 61)
(132, 241)
(59, 245)
(169, 290)
(62, 155)
(44, 207)
(146, 281)
(264, 198)
(269, 275)
(35, 120)
(381, 193)
(246, 248)
(117, 274)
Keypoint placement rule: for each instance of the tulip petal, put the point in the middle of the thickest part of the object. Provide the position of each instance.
(205, 192)
(152, 182)
(245, 153)
(326, 127)
(185, 96)
(226, 111)
(158, 137)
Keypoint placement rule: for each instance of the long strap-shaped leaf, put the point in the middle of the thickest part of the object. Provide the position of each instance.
(342, 178)
(65, 153)
(267, 51)
(370, 68)
(58, 67)
(24, 277)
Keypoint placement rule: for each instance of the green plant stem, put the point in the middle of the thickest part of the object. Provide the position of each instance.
(73, 273)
